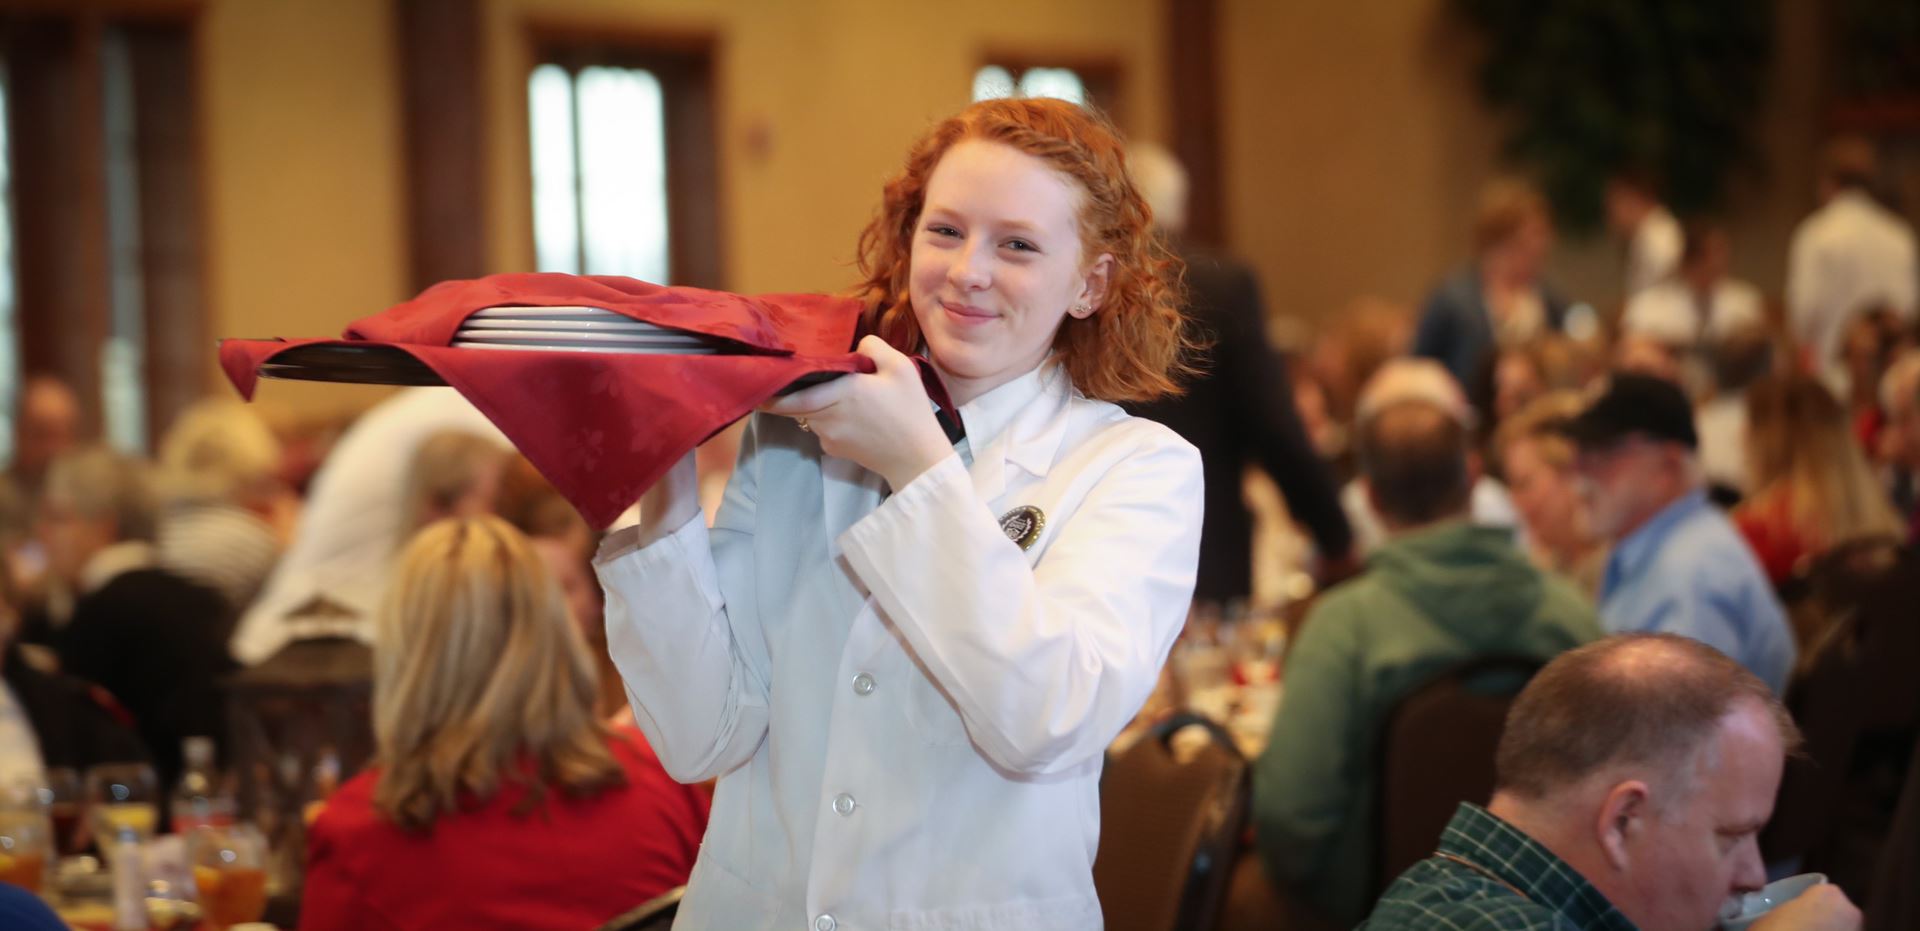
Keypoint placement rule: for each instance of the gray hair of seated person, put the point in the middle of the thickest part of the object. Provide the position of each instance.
(1643, 700)
(444, 468)
(218, 450)
(99, 483)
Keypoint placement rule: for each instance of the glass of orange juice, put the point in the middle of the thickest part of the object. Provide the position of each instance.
(230, 872)
(26, 846)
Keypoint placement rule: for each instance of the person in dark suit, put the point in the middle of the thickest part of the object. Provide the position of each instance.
(1240, 409)
(154, 640)
(1498, 298)
(75, 723)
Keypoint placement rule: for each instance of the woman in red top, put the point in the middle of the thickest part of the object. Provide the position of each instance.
(497, 799)
(1813, 487)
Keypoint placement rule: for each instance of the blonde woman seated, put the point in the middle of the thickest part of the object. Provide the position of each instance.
(497, 798)
(1537, 460)
(1813, 488)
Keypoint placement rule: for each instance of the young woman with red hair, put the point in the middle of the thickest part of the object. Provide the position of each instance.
(903, 654)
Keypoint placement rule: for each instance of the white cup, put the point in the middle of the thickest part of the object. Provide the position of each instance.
(1742, 911)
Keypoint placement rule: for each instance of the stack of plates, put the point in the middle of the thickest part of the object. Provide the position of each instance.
(563, 329)
(579, 329)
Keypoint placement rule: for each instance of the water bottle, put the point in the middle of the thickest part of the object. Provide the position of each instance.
(201, 798)
(129, 882)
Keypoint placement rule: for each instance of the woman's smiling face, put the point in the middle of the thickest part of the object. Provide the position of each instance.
(997, 265)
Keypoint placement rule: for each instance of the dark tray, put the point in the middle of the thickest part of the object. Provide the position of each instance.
(385, 365)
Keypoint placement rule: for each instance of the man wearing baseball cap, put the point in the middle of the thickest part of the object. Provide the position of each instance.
(1678, 565)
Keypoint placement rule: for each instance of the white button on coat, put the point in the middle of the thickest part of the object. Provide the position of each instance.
(1008, 671)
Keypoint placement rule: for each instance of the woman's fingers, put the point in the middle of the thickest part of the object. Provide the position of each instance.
(810, 401)
(882, 353)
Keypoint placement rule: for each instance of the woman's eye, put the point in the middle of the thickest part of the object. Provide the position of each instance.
(941, 229)
(1021, 245)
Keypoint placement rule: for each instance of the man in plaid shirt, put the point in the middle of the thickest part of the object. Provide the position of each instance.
(1633, 779)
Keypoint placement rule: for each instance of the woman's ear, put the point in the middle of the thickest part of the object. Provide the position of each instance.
(1093, 288)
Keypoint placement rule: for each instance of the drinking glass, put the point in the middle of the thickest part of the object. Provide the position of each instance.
(26, 843)
(230, 872)
(64, 796)
(122, 795)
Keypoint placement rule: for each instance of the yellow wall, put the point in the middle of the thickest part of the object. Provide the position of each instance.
(1353, 147)
(1354, 141)
(840, 87)
(1355, 144)
(306, 227)
(303, 138)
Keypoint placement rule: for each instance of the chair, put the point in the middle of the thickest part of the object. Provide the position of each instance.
(656, 915)
(1436, 751)
(312, 698)
(1170, 829)
(1895, 905)
(1254, 903)
(311, 701)
(1857, 701)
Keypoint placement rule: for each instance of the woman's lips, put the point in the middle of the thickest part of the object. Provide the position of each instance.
(967, 315)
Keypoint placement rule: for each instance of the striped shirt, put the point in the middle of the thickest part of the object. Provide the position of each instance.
(1489, 875)
(225, 548)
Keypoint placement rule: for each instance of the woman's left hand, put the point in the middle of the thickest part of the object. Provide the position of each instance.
(882, 421)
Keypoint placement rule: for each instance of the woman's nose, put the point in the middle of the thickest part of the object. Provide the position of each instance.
(970, 270)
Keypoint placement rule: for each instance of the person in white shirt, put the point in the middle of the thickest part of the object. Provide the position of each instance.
(221, 499)
(1736, 362)
(354, 520)
(904, 658)
(1652, 235)
(1851, 256)
(1702, 303)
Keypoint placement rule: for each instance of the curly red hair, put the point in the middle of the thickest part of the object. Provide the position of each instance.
(1137, 346)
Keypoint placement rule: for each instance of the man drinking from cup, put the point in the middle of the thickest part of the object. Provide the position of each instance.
(1632, 781)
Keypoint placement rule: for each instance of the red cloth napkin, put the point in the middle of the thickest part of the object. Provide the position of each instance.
(603, 427)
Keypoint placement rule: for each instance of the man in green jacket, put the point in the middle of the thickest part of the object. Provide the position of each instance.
(1441, 592)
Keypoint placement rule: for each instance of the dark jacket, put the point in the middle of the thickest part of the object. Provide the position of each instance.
(1240, 410)
(1456, 331)
(158, 643)
(78, 724)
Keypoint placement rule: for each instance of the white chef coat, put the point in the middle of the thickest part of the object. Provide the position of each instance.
(1670, 312)
(1849, 256)
(1653, 252)
(906, 711)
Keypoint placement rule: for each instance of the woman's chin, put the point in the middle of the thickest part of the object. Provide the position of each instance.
(958, 360)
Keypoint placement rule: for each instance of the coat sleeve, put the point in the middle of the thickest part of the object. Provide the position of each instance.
(1045, 663)
(1262, 388)
(1433, 336)
(692, 658)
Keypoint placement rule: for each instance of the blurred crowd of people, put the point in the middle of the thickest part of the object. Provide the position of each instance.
(1506, 471)
(136, 589)
(1521, 473)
